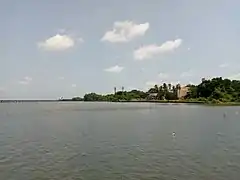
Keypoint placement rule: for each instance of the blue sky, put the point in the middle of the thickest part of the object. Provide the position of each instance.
(53, 48)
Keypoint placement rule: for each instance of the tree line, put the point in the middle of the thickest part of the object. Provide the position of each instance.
(215, 90)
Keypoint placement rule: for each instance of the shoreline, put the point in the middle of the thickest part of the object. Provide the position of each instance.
(170, 102)
(132, 101)
(173, 102)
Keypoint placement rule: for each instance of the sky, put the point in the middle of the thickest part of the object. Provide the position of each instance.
(65, 48)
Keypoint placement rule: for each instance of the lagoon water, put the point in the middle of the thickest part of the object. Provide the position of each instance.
(118, 141)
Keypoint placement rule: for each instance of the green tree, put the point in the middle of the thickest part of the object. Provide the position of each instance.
(160, 95)
(217, 89)
(169, 87)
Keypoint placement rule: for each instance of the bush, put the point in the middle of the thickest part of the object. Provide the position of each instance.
(215, 101)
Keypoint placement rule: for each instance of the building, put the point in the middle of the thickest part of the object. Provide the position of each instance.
(183, 92)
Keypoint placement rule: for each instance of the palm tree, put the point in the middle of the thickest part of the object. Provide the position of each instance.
(160, 93)
(160, 88)
(174, 90)
(165, 88)
(156, 88)
(169, 87)
(178, 87)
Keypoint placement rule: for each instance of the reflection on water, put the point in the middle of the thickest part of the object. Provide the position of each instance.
(118, 141)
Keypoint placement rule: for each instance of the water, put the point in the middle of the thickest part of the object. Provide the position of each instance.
(99, 141)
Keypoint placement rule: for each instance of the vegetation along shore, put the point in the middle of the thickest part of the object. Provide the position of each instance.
(216, 91)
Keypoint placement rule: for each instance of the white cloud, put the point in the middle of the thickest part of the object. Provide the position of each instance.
(26, 80)
(125, 31)
(224, 65)
(74, 85)
(189, 49)
(57, 43)
(148, 51)
(114, 69)
(235, 77)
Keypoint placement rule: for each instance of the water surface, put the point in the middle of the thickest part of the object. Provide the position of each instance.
(99, 141)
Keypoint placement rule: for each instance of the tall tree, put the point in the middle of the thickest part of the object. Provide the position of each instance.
(175, 92)
(160, 95)
(169, 87)
(178, 87)
(165, 88)
(156, 88)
